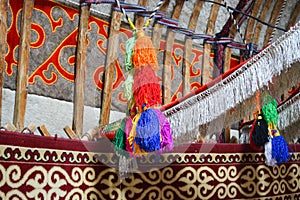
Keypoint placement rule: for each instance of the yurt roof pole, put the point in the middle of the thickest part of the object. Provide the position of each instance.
(80, 70)
(167, 84)
(23, 65)
(157, 28)
(188, 48)
(206, 77)
(3, 31)
(111, 58)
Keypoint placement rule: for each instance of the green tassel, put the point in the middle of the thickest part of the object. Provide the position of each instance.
(120, 137)
(127, 86)
(270, 112)
(129, 45)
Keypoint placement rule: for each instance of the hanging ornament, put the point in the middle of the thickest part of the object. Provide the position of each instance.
(259, 133)
(279, 146)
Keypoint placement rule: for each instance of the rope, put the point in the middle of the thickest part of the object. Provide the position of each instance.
(277, 20)
(125, 14)
(235, 22)
(243, 13)
(147, 22)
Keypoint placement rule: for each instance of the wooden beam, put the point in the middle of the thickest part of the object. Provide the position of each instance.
(251, 22)
(188, 47)
(23, 65)
(263, 17)
(43, 130)
(168, 56)
(3, 31)
(78, 106)
(139, 21)
(111, 58)
(70, 133)
(157, 29)
(210, 29)
(294, 16)
(274, 16)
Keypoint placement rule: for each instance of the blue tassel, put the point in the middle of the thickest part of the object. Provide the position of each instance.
(148, 131)
(280, 151)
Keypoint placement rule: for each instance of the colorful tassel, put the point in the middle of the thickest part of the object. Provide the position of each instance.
(148, 131)
(166, 143)
(128, 128)
(143, 52)
(270, 113)
(280, 151)
(268, 154)
(146, 88)
(133, 146)
(260, 134)
(127, 89)
(252, 144)
(120, 137)
(129, 45)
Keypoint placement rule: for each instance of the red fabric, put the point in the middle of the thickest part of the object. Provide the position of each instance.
(55, 168)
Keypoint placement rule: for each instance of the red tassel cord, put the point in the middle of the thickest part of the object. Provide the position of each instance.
(146, 89)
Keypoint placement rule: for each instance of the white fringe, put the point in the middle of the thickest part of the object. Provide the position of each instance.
(289, 112)
(237, 87)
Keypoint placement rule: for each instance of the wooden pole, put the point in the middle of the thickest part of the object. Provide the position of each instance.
(111, 58)
(78, 106)
(186, 86)
(263, 16)
(251, 22)
(3, 31)
(206, 68)
(157, 29)
(139, 21)
(274, 16)
(23, 65)
(294, 15)
(168, 56)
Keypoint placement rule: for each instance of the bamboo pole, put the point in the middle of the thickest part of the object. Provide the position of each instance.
(206, 68)
(274, 16)
(78, 106)
(168, 56)
(111, 58)
(186, 86)
(3, 31)
(23, 65)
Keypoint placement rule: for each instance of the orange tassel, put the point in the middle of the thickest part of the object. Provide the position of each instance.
(143, 52)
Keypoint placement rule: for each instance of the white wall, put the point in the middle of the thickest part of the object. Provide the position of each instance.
(54, 114)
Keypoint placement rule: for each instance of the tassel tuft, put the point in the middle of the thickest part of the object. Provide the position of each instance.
(129, 45)
(270, 112)
(268, 154)
(148, 131)
(280, 151)
(146, 89)
(252, 144)
(143, 52)
(120, 137)
(167, 142)
(260, 134)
